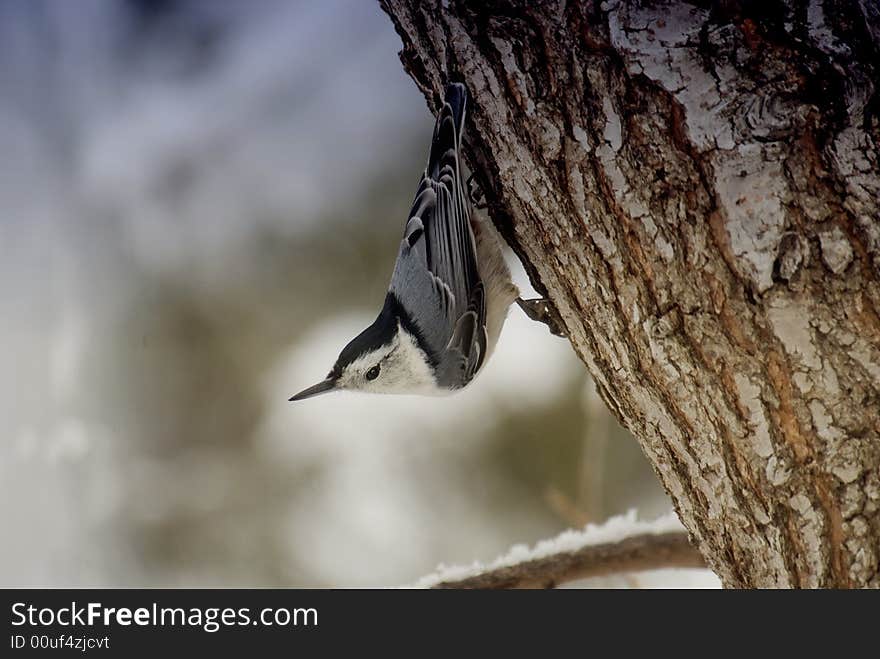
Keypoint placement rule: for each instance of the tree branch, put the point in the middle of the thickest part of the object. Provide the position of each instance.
(642, 552)
(620, 544)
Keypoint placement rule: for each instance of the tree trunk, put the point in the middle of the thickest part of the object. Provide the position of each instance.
(695, 186)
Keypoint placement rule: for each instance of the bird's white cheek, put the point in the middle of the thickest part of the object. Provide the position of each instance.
(404, 372)
(392, 383)
(412, 368)
(345, 382)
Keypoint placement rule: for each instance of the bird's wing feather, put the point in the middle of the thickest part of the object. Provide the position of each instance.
(436, 279)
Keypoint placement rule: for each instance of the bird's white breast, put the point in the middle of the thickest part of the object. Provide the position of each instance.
(500, 289)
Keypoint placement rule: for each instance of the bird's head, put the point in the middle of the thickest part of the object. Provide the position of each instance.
(385, 358)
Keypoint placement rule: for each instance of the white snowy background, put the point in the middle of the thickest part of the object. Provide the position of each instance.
(200, 203)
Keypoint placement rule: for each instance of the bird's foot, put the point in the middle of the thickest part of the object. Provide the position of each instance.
(475, 193)
(542, 310)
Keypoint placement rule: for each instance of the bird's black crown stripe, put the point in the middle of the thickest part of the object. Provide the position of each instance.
(380, 333)
(410, 325)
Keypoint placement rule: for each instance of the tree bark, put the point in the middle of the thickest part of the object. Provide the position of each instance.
(695, 186)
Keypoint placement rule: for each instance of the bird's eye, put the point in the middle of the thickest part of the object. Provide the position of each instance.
(373, 373)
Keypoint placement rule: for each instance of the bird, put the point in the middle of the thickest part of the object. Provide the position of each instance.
(450, 289)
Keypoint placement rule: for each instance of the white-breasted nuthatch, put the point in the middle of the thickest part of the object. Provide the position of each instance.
(449, 293)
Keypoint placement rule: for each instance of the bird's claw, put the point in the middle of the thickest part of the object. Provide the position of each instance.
(542, 310)
(475, 193)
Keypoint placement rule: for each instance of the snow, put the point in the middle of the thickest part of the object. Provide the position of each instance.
(613, 530)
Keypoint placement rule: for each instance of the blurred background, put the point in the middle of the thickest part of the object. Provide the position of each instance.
(201, 202)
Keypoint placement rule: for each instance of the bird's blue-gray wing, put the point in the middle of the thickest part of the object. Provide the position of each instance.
(436, 279)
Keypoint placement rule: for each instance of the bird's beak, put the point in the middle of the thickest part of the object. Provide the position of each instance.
(321, 388)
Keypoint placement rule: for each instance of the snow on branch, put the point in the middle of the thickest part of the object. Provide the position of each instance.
(621, 544)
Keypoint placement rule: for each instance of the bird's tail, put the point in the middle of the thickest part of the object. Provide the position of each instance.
(449, 128)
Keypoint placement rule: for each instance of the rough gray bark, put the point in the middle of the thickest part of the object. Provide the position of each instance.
(695, 186)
